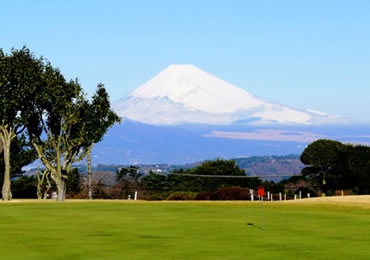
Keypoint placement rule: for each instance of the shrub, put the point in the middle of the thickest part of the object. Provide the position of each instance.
(81, 195)
(230, 193)
(99, 191)
(24, 187)
(290, 194)
(205, 195)
(155, 195)
(182, 195)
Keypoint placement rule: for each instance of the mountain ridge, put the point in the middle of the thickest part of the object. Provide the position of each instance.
(183, 94)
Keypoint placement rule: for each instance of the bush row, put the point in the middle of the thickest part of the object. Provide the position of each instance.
(230, 193)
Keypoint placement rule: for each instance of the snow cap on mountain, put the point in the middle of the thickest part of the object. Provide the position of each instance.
(197, 90)
(183, 94)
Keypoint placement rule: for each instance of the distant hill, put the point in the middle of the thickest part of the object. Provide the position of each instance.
(137, 143)
(263, 166)
(268, 166)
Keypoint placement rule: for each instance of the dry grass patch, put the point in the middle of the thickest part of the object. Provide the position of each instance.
(362, 201)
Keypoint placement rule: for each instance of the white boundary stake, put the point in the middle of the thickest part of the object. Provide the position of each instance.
(280, 196)
(135, 197)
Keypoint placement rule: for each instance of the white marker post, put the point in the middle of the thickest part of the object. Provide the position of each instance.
(135, 197)
(280, 196)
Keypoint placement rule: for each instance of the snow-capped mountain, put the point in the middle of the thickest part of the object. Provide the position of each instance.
(183, 94)
(184, 115)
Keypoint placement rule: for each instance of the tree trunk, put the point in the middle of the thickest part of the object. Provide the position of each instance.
(59, 182)
(6, 139)
(323, 194)
(61, 189)
(89, 175)
(59, 176)
(39, 183)
(6, 191)
(39, 192)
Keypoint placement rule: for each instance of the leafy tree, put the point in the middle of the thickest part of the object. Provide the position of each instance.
(129, 178)
(357, 169)
(126, 172)
(20, 80)
(73, 182)
(332, 165)
(35, 96)
(72, 125)
(101, 117)
(57, 108)
(25, 187)
(155, 186)
(21, 154)
(155, 182)
(218, 167)
(209, 176)
(60, 122)
(324, 160)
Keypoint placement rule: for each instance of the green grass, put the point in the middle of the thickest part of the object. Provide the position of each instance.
(153, 230)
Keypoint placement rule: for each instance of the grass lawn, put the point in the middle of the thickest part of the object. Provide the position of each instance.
(318, 229)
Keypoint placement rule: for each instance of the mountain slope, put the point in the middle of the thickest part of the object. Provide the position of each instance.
(183, 94)
(133, 142)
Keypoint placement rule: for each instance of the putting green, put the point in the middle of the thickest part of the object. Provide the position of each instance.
(309, 229)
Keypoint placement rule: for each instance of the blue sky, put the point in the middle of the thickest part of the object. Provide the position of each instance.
(305, 54)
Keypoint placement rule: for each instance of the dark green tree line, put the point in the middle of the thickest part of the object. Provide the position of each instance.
(209, 176)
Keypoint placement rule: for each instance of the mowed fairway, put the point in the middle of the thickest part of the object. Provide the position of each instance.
(307, 229)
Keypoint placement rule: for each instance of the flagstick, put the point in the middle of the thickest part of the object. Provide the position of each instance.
(263, 218)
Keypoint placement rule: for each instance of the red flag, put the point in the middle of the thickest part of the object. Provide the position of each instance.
(261, 191)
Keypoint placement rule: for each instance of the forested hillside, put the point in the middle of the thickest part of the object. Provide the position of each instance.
(263, 166)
